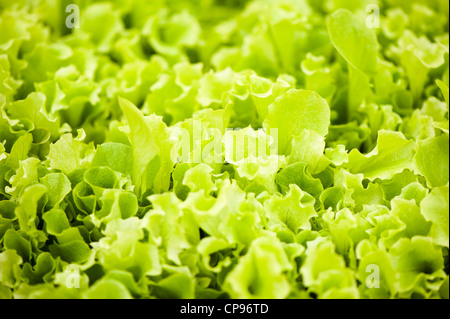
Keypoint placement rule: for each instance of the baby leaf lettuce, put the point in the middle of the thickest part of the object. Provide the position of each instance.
(224, 149)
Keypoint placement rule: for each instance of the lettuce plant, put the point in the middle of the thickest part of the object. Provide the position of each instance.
(224, 149)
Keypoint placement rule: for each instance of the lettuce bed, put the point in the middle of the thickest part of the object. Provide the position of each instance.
(128, 166)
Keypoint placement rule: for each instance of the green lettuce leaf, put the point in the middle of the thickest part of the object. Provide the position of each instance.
(393, 154)
(295, 111)
(261, 272)
(434, 207)
(432, 159)
(151, 169)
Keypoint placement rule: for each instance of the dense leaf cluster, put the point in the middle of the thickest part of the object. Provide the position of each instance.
(353, 202)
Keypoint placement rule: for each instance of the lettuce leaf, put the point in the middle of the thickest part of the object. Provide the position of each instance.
(224, 149)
